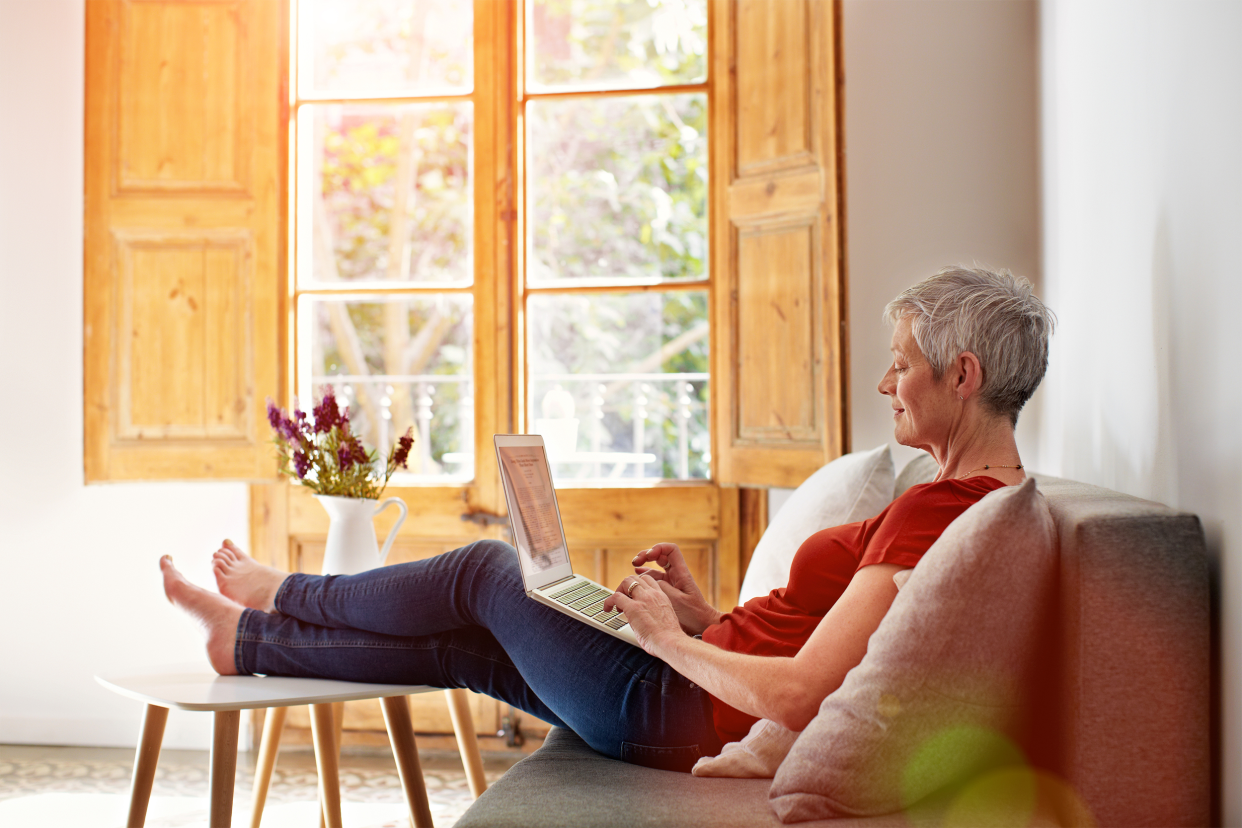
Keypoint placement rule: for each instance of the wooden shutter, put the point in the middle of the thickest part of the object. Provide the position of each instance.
(779, 353)
(182, 250)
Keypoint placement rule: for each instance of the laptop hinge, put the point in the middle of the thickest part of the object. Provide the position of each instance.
(561, 581)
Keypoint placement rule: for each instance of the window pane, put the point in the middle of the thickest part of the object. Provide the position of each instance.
(618, 188)
(619, 384)
(612, 44)
(399, 362)
(385, 47)
(385, 193)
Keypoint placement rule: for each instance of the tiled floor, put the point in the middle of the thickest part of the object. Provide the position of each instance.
(50, 786)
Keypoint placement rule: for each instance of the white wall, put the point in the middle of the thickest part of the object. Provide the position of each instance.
(79, 583)
(1142, 155)
(942, 164)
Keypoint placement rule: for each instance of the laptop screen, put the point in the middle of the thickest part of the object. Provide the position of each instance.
(533, 512)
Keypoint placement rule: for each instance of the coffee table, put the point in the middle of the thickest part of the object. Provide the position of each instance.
(196, 687)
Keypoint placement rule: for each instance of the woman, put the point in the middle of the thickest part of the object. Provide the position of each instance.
(969, 348)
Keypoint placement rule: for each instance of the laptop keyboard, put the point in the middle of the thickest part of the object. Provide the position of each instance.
(588, 599)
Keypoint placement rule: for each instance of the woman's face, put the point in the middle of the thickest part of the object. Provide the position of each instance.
(924, 408)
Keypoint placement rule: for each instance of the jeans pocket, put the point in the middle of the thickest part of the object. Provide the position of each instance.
(661, 758)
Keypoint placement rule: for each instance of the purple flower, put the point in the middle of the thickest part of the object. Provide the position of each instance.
(301, 464)
(402, 453)
(327, 413)
(345, 456)
(280, 423)
(274, 415)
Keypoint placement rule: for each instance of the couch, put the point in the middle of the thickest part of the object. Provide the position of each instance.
(1118, 710)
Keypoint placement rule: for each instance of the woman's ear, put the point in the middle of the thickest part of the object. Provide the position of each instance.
(968, 375)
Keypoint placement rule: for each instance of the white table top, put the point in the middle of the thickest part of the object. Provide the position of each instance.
(196, 687)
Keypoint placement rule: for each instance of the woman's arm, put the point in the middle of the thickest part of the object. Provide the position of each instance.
(787, 690)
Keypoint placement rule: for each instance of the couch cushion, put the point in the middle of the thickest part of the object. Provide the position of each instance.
(566, 784)
(849, 489)
(937, 699)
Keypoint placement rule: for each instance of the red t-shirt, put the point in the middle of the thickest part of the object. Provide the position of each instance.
(779, 623)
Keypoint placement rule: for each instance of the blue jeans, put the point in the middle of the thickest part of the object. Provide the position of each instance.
(462, 619)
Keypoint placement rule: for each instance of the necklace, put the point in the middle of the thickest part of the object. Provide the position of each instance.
(986, 467)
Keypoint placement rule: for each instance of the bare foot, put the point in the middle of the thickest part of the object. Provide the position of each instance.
(244, 579)
(217, 615)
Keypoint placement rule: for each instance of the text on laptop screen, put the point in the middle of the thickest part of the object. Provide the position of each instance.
(539, 541)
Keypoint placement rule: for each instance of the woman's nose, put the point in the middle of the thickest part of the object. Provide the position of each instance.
(886, 384)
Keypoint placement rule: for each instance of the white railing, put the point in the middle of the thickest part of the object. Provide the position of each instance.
(629, 426)
(650, 425)
(441, 407)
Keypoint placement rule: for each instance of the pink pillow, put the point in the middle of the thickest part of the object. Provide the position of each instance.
(939, 696)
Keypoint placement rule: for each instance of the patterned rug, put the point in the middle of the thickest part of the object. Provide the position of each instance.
(48, 794)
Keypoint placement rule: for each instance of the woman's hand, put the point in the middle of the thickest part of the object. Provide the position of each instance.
(648, 609)
(694, 614)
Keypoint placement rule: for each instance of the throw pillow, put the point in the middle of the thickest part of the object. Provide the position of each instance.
(921, 469)
(757, 756)
(851, 488)
(938, 697)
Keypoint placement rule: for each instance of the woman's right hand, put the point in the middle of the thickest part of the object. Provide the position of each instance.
(693, 612)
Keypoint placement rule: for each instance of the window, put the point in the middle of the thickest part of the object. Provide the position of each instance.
(608, 194)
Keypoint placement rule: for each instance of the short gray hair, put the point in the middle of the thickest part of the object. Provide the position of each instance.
(995, 316)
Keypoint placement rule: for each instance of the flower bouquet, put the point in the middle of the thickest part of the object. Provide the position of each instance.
(322, 452)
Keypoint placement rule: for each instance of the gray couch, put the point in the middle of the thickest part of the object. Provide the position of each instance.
(1122, 714)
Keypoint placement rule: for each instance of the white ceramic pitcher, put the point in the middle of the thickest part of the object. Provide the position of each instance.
(352, 545)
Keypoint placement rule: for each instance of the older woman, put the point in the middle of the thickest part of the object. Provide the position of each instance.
(969, 348)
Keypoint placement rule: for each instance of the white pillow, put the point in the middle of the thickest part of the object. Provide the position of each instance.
(849, 489)
(757, 756)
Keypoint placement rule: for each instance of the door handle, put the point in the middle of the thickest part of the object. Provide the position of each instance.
(484, 519)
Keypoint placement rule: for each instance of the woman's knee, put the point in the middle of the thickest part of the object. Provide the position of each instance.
(491, 555)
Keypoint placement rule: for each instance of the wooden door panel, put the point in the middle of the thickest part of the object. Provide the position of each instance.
(777, 361)
(773, 86)
(183, 304)
(184, 113)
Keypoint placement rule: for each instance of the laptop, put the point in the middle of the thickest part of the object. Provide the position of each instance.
(539, 537)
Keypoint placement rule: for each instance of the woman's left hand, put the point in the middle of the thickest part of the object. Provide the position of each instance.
(647, 608)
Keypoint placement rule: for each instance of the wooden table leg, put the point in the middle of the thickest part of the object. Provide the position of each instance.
(148, 756)
(273, 727)
(338, 719)
(467, 741)
(223, 767)
(323, 735)
(409, 769)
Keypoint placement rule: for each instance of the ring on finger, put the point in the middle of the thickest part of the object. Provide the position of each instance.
(630, 592)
